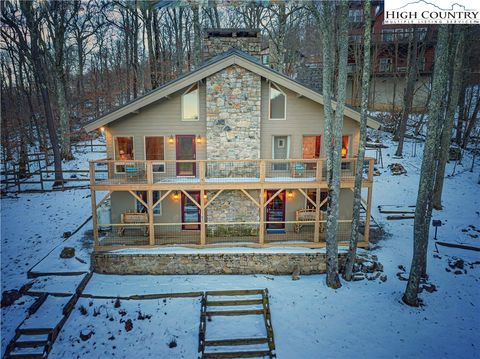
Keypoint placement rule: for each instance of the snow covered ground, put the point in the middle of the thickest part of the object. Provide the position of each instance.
(362, 319)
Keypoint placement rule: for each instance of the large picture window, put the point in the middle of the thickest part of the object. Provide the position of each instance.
(140, 208)
(123, 147)
(278, 103)
(155, 151)
(190, 111)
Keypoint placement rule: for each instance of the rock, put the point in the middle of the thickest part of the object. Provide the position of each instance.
(459, 263)
(430, 288)
(172, 344)
(67, 252)
(458, 271)
(87, 336)
(296, 273)
(358, 277)
(397, 169)
(9, 297)
(383, 278)
(67, 234)
(128, 325)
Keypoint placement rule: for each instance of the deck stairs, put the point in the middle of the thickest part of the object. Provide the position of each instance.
(239, 325)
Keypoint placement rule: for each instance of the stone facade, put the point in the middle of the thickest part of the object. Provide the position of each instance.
(210, 263)
(217, 41)
(233, 132)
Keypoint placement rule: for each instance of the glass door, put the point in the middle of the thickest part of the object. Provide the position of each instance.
(186, 151)
(276, 210)
(190, 211)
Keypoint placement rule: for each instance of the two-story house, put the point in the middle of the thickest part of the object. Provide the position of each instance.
(231, 153)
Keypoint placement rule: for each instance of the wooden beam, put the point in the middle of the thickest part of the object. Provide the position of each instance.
(249, 196)
(151, 227)
(273, 197)
(316, 234)
(203, 236)
(191, 198)
(94, 216)
(212, 199)
(308, 198)
(162, 198)
(103, 199)
(261, 229)
(139, 199)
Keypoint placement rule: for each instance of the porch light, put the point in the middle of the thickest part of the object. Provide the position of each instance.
(290, 194)
(199, 139)
(176, 195)
(102, 130)
(171, 140)
(205, 196)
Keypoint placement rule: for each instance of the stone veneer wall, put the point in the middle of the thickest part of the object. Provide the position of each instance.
(214, 45)
(233, 132)
(209, 263)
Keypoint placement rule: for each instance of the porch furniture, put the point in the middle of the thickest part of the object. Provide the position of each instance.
(134, 172)
(134, 218)
(298, 169)
(306, 214)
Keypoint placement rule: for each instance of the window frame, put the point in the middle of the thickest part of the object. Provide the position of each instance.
(198, 102)
(159, 205)
(154, 162)
(115, 152)
(270, 100)
(349, 146)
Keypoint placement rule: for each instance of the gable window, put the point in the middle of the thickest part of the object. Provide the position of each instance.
(140, 208)
(155, 151)
(190, 111)
(123, 147)
(278, 103)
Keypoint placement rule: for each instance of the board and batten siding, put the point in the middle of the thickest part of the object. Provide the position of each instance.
(162, 118)
(304, 117)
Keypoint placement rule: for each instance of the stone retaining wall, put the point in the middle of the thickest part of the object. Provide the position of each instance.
(209, 263)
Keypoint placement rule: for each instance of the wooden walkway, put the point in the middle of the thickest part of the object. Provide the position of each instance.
(235, 304)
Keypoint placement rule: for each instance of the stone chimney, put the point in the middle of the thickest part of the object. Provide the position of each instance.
(217, 41)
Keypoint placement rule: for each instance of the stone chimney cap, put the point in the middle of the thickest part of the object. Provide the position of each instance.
(232, 32)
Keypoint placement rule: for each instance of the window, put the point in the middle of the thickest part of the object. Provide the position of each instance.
(155, 151)
(123, 148)
(278, 103)
(265, 59)
(385, 64)
(140, 208)
(388, 35)
(355, 15)
(190, 104)
(311, 149)
(345, 146)
(312, 194)
(422, 33)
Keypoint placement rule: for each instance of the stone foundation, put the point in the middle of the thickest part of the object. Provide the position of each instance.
(209, 263)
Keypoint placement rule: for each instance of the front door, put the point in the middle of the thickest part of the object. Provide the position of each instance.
(186, 151)
(276, 210)
(190, 211)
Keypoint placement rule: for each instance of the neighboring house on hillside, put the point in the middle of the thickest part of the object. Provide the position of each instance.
(230, 153)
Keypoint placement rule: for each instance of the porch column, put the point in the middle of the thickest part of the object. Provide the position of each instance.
(203, 236)
(151, 227)
(368, 213)
(261, 228)
(94, 216)
(316, 235)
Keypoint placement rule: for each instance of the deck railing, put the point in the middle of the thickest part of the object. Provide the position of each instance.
(115, 172)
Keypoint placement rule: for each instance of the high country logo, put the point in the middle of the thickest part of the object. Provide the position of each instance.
(425, 12)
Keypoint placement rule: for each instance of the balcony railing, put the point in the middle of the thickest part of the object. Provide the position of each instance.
(112, 172)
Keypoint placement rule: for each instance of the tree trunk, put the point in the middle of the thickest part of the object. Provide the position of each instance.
(409, 90)
(444, 149)
(357, 192)
(461, 114)
(66, 150)
(196, 35)
(423, 209)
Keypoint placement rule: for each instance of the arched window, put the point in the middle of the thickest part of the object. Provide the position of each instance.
(278, 103)
(190, 104)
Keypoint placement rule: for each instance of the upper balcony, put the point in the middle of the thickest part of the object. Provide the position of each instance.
(228, 174)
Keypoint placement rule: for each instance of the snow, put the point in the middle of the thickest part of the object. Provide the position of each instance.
(361, 319)
(48, 315)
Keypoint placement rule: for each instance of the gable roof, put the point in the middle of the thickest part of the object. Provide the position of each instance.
(210, 67)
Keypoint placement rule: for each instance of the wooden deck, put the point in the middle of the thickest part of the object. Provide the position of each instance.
(218, 176)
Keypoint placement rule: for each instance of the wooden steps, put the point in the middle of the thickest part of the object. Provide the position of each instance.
(235, 303)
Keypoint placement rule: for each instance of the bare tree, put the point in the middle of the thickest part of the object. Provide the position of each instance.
(357, 192)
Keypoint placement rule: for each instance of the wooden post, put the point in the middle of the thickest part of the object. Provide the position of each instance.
(149, 169)
(94, 217)
(203, 235)
(316, 235)
(261, 228)
(151, 227)
(40, 171)
(368, 214)
(262, 171)
(318, 172)
(202, 171)
(370, 168)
